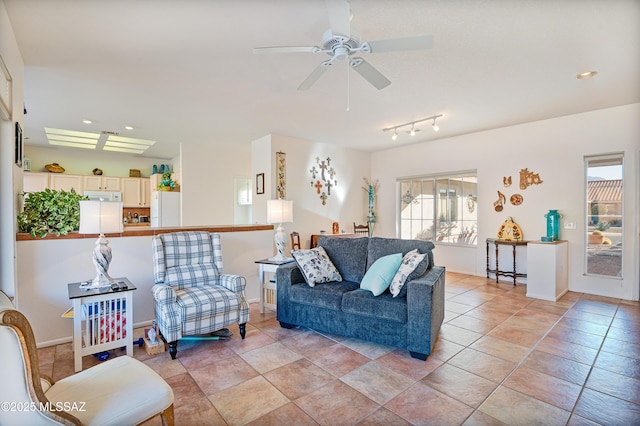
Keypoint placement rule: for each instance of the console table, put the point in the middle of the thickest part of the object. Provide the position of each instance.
(267, 286)
(100, 319)
(497, 243)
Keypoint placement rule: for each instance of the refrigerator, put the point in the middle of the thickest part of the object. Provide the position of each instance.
(165, 209)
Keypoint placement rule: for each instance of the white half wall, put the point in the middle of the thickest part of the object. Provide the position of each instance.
(47, 266)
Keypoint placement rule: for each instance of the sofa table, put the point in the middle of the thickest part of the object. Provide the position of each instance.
(267, 286)
(100, 319)
(514, 274)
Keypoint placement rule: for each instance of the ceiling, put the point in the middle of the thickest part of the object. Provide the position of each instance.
(184, 71)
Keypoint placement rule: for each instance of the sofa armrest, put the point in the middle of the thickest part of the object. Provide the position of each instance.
(425, 310)
(286, 276)
(163, 294)
(235, 283)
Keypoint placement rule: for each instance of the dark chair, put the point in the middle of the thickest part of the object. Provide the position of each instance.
(361, 229)
(295, 241)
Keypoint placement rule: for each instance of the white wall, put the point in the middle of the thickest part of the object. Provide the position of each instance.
(47, 266)
(348, 201)
(553, 148)
(10, 174)
(207, 182)
(83, 161)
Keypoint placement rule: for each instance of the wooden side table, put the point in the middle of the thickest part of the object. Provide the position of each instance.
(102, 320)
(268, 288)
(497, 243)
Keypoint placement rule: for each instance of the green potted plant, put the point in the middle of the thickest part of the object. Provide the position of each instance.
(167, 184)
(50, 212)
(597, 236)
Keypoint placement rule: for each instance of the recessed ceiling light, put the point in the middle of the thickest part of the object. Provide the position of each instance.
(71, 138)
(587, 74)
(128, 127)
(87, 121)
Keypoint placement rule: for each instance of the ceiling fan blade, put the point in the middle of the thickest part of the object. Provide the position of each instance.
(398, 44)
(285, 49)
(314, 76)
(339, 17)
(369, 73)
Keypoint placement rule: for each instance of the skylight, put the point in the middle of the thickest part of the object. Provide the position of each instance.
(130, 145)
(72, 138)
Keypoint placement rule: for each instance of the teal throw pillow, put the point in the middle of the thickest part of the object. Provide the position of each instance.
(380, 274)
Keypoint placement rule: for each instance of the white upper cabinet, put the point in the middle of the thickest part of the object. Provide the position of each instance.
(135, 192)
(101, 183)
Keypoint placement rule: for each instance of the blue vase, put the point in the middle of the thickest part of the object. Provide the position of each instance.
(553, 224)
(154, 169)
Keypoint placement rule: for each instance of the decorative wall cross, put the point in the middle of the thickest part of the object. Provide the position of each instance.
(323, 176)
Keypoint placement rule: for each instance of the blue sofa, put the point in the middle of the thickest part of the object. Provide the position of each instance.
(410, 322)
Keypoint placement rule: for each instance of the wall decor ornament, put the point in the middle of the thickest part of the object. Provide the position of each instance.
(498, 205)
(516, 199)
(281, 166)
(371, 188)
(506, 181)
(510, 231)
(323, 177)
(528, 178)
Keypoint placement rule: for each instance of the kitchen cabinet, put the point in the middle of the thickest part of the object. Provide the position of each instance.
(35, 182)
(136, 192)
(100, 183)
(60, 181)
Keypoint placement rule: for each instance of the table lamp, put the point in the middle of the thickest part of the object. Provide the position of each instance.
(100, 217)
(280, 211)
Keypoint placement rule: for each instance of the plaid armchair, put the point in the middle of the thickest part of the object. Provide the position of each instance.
(192, 294)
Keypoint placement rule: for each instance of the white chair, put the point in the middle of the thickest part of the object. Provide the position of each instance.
(121, 391)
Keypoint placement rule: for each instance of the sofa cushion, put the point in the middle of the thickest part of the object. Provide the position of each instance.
(363, 302)
(379, 247)
(378, 278)
(316, 266)
(324, 295)
(348, 254)
(413, 265)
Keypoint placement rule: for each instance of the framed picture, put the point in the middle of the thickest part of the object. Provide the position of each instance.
(260, 183)
(18, 145)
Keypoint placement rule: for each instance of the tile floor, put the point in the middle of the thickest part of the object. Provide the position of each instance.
(501, 358)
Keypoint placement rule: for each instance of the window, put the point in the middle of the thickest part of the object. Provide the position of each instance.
(439, 208)
(604, 202)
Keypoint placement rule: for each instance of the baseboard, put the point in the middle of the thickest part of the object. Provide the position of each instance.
(70, 338)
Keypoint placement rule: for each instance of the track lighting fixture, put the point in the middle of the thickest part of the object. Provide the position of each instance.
(413, 130)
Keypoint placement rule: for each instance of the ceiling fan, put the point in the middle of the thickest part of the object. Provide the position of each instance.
(338, 43)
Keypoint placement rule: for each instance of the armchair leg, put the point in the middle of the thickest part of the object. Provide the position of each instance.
(243, 330)
(418, 355)
(173, 349)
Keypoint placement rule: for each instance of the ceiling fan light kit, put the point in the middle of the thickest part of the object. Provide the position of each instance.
(413, 129)
(338, 43)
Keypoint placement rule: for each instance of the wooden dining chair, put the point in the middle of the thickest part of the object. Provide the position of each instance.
(361, 229)
(295, 241)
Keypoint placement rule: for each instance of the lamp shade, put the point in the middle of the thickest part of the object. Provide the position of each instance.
(279, 211)
(100, 217)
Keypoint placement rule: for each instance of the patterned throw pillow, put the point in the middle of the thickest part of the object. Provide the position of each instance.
(413, 265)
(316, 266)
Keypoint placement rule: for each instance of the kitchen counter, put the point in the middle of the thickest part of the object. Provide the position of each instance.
(136, 230)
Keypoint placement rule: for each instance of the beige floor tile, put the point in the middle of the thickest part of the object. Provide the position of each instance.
(557, 366)
(606, 409)
(223, 374)
(239, 405)
(402, 362)
(270, 357)
(500, 348)
(462, 385)
(338, 360)
(289, 414)
(483, 365)
(423, 405)
(458, 335)
(515, 408)
(298, 378)
(377, 382)
(546, 388)
(337, 404)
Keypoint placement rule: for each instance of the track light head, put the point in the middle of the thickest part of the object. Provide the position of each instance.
(413, 129)
(395, 135)
(434, 125)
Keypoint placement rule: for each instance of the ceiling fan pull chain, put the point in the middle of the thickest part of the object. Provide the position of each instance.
(348, 88)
